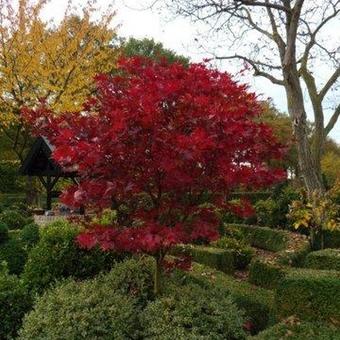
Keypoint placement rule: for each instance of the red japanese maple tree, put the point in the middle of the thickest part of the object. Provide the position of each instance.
(167, 143)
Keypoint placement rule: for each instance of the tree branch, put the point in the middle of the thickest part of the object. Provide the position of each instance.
(331, 81)
(332, 121)
(255, 65)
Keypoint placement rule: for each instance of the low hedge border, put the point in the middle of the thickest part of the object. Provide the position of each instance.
(296, 330)
(312, 295)
(263, 237)
(216, 258)
(266, 274)
(327, 259)
(258, 303)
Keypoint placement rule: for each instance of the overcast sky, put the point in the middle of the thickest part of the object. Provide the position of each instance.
(181, 36)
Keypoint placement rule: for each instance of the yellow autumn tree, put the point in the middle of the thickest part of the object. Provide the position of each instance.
(53, 61)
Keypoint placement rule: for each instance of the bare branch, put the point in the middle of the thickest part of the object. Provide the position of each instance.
(331, 81)
(332, 121)
(255, 65)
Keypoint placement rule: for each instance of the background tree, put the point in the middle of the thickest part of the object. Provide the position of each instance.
(283, 41)
(54, 62)
(150, 49)
(165, 144)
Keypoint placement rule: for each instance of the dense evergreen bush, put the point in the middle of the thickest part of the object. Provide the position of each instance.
(296, 330)
(13, 253)
(324, 259)
(14, 303)
(266, 274)
(29, 235)
(267, 213)
(258, 303)
(310, 295)
(14, 219)
(213, 257)
(87, 310)
(262, 237)
(242, 252)
(57, 256)
(192, 312)
(3, 232)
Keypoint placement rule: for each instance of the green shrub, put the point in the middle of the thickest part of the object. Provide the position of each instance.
(14, 219)
(242, 252)
(258, 303)
(192, 312)
(310, 295)
(262, 237)
(14, 303)
(3, 232)
(210, 256)
(296, 257)
(267, 213)
(133, 277)
(57, 256)
(332, 239)
(266, 274)
(29, 235)
(13, 253)
(87, 310)
(296, 330)
(324, 259)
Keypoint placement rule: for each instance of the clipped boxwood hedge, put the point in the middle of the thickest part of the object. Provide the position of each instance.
(258, 303)
(262, 237)
(296, 330)
(310, 295)
(328, 259)
(266, 274)
(219, 259)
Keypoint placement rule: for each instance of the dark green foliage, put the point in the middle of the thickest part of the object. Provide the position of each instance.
(242, 252)
(29, 235)
(14, 303)
(88, 310)
(258, 303)
(10, 181)
(133, 277)
(332, 239)
(252, 196)
(267, 213)
(14, 219)
(324, 259)
(294, 258)
(213, 257)
(296, 330)
(192, 312)
(262, 237)
(57, 256)
(3, 232)
(266, 274)
(151, 49)
(13, 253)
(310, 295)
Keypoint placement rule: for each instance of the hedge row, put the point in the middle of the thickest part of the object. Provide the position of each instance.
(296, 330)
(309, 294)
(216, 258)
(262, 237)
(256, 302)
(327, 259)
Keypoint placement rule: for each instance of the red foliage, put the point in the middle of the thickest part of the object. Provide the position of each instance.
(158, 138)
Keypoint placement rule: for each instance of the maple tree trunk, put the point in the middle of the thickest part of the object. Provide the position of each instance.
(157, 276)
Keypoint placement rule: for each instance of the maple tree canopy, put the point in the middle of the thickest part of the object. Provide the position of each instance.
(169, 143)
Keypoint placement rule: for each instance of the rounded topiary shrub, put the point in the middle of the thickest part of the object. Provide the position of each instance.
(57, 256)
(87, 310)
(13, 253)
(192, 312)
(3, 232)
(133, 277)
(14, 219)
(29, 235)
(14, 303)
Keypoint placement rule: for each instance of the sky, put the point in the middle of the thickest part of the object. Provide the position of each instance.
(183, 37)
